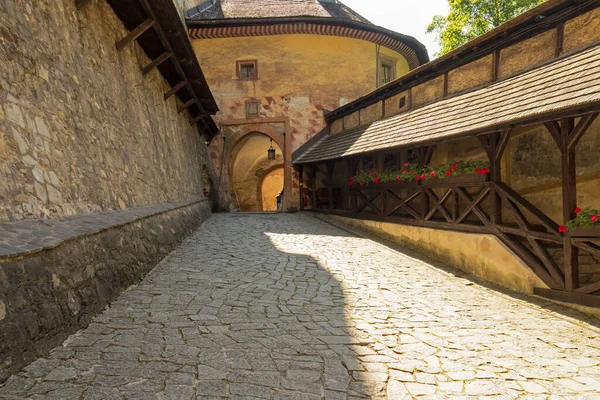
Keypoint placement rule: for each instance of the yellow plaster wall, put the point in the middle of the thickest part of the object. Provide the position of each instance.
(481, 255)
(330, 70)
(582, 30)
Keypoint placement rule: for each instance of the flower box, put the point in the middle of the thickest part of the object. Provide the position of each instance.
(591, 232)
(458, 179)
(385, 185)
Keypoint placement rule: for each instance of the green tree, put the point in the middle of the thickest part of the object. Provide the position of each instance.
(470, 18)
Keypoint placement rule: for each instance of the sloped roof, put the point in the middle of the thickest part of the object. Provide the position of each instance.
(567, 83)
(226, 9)
(225, 18)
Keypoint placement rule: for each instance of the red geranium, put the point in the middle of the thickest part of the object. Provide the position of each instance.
(376, 180)
(360, 183)
(562, 229)
(404, 173)
(406, 164)
(594, 218)
(448, 173)
(417, 177)
(577, 210)
(422, 176)
(432, 173)
(398, 177)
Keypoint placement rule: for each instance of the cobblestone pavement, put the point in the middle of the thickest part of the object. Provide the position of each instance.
(290, 307)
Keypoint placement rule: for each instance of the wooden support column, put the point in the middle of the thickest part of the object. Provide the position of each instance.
(351, 168)
(156, 62)
(175, 89)
(134, 34)
(425, 154)
(313, 184)
(301, 186)
(567, 135)
(330, 166)
(494, 145)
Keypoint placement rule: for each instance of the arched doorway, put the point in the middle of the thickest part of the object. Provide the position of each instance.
(270, 187)
(249, 166)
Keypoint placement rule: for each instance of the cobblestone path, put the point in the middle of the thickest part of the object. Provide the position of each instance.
(290, 307)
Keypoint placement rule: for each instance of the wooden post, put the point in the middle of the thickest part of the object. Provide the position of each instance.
(567, 135)
(569, 195)
(134, 34)
(425, 154)
(313, 184)
(330, 166)
(185, 106)
(301, 185)
(351, 167)
(494, 145)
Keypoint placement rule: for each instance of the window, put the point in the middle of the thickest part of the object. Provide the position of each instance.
(247, 69)
(252, 108)
(368, 163)
(412, 156)
(390, 161)
(402, 102)
(386, 68)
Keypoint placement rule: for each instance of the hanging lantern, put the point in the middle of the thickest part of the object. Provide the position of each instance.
(271, 152)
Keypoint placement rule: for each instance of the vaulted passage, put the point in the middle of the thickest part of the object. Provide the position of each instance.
(255, 179)
(287, 306)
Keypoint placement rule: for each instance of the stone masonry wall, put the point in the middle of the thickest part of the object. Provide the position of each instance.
(51, 294)
(81, 129)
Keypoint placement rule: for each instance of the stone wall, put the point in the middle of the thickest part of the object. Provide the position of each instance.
(81, 129)
(46, 296)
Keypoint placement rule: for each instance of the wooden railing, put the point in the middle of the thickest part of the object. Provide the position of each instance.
(466, 204)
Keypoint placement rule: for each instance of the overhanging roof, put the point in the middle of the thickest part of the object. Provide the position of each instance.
(170, 35)
(569, 83)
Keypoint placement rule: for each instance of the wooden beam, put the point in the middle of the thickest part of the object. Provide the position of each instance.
(582, 126)
(301, 185)
(560, 35)
(156, 62)
(569, 197)
(554, 129)
(82, 3)
(313, 184)
(185, 105)
(330, 166)
(198, 118)
(175, 89)
(134, 34)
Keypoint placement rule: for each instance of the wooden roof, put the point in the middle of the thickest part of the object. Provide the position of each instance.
(170, 36)
(569, 83)
(547, 15)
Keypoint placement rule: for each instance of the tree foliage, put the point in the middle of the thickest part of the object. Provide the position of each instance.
(470, 18)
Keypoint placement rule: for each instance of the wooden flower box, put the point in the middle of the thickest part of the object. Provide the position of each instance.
(591, 232)
(462, 179)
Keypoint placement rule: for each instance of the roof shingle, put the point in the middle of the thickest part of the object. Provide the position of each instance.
(562, 84)
(228, 9)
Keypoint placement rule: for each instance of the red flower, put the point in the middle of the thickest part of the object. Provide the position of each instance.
(485, 170)
(404, 173)
(562, 229)
(422, 176)
(398, 177)
(406, 164)
(477, 170)
(432, 173)
(360, 183)
(374, 174)
(413, 172)
(351, 181)
(594, 218)
(376, 180)
(369, 170)
(448, 173)
(577, 210)
(417, 177)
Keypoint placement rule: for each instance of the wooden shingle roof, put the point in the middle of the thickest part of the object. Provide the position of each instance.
(567, 83)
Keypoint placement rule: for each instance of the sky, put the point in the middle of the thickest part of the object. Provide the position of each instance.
(403, 16)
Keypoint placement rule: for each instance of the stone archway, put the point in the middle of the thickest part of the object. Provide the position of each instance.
(270, 185)
(248, 164)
